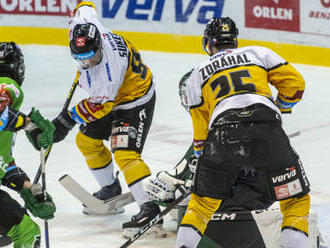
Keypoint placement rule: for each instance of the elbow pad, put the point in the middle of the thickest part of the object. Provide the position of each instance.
(12, 120)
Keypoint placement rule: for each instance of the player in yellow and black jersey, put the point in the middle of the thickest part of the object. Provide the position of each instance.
(120, 107)
(241, 147)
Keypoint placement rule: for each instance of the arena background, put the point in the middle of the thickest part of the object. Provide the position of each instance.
(297, 29)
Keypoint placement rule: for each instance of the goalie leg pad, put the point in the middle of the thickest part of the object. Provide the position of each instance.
(132, 166)
(97, 155)
(295, 212)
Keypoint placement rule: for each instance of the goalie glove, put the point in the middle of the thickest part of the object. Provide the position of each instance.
(164, 187)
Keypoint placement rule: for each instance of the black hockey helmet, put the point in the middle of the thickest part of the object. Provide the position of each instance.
(85, 43)
(220, 32)
(12, 61)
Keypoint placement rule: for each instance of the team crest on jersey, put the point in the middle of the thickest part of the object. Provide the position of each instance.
(80, 42)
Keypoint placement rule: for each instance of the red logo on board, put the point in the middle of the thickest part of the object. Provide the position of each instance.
(325, 3)
(38, 7)
(273, 14)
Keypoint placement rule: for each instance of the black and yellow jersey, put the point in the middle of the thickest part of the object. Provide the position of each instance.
(236, 78)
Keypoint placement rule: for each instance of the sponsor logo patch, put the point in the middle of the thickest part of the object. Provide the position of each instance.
(80, 42)
(119, 141)
(288, 190)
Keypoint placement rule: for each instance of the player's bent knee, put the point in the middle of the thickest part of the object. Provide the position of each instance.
(95, 152)
(295, 213)
(25, 234)
(132, 166)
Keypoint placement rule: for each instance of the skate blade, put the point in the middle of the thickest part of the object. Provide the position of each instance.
(89, 212)
(155, 232)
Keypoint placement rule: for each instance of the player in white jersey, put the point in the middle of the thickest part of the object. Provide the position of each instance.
(120, 107)
(238, 137)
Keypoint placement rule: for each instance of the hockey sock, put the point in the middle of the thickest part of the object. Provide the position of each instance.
(104, 175)
(139, 194)
(292, 239)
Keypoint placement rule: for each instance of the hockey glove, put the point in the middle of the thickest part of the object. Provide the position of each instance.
(14, 178)
(63, 123)
(36, 202)
(164, 188)
(39, 130)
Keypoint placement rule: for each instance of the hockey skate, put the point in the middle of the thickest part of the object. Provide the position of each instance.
(148, 211)
(106, 193)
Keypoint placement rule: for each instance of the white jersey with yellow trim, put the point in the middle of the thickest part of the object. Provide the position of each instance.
(236, 78)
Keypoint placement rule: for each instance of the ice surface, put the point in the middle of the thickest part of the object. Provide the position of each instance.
(49, 74)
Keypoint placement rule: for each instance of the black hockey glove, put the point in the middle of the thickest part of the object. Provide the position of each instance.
(14, 178)
(63, 123)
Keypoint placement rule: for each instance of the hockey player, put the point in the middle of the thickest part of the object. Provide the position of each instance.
(238, 138)
(120, 105)
(15, 221)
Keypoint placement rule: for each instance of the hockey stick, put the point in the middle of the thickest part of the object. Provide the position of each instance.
(43, 178)
(65, 107)
(96, 205)
(157, 218)
(308, 129)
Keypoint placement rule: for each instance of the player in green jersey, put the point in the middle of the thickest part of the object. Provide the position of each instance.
(15, 221)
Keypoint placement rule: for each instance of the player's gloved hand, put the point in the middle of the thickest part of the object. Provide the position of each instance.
(5, 99)
(164, 186)
(39, 205)
(39, 130)
(63, 123)
(14, 178)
